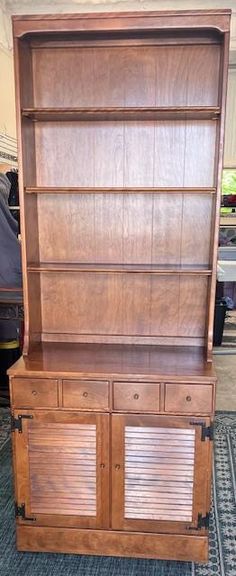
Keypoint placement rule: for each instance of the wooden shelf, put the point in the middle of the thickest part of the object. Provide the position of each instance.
(120, 268)
(123, 113)
(115, 190)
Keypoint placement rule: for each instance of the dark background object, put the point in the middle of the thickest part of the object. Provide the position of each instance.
(219, 321)
(228, 200)
(14, 195)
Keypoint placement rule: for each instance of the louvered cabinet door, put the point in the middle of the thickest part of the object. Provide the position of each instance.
(62, 468)
(160, 473)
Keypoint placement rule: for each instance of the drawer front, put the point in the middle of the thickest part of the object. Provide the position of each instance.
(141, 397)
(189, 398)
(34, 393)
(86, 394)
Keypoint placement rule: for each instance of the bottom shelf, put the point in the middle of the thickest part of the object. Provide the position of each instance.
(101, 360)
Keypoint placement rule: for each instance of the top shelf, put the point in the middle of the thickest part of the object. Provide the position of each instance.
(124, 113)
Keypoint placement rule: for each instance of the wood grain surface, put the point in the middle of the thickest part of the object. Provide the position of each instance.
(120, 120)
(157, 362)
(105, 543)
(156, 473)
(62, 468)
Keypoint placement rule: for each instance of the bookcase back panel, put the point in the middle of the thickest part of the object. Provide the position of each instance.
(125, 228)
(123, 304)
(144, 153)
(125, 75)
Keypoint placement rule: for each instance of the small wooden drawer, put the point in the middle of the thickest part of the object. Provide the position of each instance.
(188, 398)
(86, 394)
(34, 393)
(140, 397)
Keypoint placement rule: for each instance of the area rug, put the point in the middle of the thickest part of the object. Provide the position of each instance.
(222, 559)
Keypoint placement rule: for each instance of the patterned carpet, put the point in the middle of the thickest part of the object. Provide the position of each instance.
(222, 560)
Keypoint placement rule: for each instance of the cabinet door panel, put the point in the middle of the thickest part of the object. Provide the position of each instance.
(62, 468)
(160, 473)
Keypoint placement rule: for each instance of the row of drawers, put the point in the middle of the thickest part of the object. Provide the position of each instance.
(97, 395)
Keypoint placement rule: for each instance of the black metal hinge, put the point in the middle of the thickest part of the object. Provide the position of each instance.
(20, 513)
(16, 423)
(203, 521)
(207, 431)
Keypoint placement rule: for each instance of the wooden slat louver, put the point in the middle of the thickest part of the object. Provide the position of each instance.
(159, 472)
(62, 467)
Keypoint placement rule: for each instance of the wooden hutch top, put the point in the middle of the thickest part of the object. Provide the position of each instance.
(120, 127)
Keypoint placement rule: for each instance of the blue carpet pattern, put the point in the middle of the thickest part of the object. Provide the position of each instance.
(222, 560)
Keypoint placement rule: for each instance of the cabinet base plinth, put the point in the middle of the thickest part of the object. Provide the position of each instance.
(112, 543)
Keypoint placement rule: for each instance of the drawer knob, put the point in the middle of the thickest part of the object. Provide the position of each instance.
(188, 398)
(85, 394)
(102, 465)
(34, 392)
(117, 467)
(136, 396)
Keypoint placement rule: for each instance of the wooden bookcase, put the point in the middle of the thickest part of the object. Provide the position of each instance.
(120, 132)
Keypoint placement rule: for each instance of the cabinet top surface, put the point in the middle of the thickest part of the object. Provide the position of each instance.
(124, 14)
(44, 23)
(116, 361)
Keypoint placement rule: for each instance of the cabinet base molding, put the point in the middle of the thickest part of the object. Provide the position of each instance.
(112, 543)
